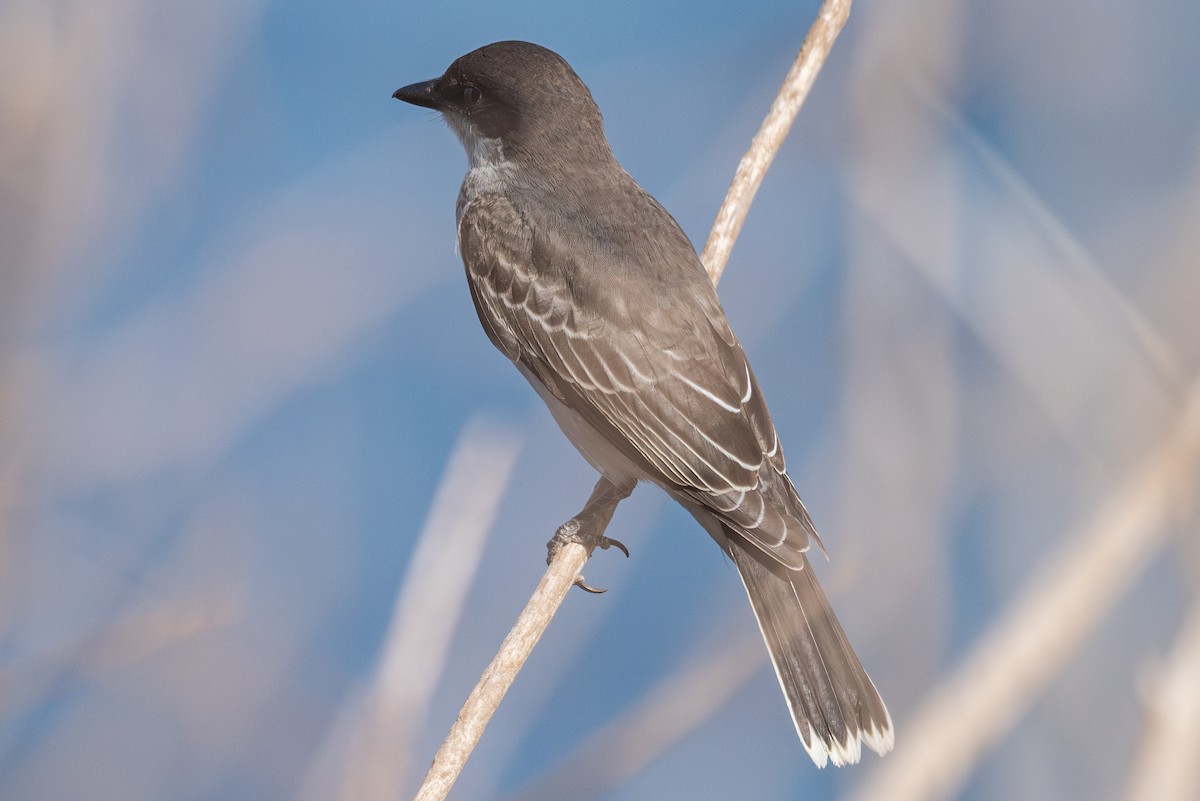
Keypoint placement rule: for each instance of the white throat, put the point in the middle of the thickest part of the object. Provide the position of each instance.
(481, 151)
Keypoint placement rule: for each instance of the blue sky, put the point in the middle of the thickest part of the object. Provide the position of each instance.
(241, 359)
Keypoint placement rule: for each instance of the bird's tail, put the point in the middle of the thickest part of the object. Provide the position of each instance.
(832, 700)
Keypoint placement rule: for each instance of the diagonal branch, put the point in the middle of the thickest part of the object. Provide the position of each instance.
(774, 129)
(569, 560)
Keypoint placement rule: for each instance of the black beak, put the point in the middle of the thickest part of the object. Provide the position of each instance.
(419, 94)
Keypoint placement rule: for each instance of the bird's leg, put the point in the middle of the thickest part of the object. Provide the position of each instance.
(587, 527)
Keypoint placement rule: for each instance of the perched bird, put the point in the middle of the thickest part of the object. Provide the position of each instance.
(592, 289)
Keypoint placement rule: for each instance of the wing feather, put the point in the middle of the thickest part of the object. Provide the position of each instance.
(653, 368)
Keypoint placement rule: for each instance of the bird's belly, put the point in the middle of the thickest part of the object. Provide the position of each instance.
(590, 443)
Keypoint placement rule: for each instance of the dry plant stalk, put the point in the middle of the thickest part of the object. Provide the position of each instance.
(1165, 766)
(427, 610)
(1027, 646)
(564, 570)
(673, 708)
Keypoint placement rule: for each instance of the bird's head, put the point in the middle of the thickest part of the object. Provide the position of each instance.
(514, 101)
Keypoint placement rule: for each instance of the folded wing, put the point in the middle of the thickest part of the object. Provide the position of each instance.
(654, 367)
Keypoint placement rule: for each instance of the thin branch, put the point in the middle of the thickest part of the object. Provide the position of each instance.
(482, 702)
(564, 570)
(753, 166)
(1029, 644)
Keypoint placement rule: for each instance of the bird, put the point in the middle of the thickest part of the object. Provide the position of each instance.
(591, 288)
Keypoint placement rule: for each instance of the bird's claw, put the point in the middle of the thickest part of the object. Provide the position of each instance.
(607, 542)
(604, 544)
(583, 585)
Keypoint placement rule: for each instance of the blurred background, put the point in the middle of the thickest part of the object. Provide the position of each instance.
(269, 500)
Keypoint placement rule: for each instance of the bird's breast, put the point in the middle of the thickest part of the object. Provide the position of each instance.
(591, 444)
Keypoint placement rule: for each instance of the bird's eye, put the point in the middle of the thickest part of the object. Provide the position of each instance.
(471, 95)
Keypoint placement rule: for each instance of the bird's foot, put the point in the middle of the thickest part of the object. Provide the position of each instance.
(590, 537)
(575, 530)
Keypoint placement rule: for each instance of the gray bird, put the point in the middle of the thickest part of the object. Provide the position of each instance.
(592, 289)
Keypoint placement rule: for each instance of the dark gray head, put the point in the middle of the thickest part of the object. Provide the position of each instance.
(515, 101)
